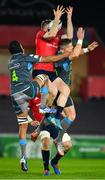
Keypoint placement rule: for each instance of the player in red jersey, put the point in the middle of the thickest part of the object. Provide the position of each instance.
(47, 43)
(47, 40)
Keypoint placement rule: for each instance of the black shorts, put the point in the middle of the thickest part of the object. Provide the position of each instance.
(52, 75)
(52, 130)
(68, 103)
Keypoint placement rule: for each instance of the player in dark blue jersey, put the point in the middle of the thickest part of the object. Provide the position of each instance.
(23, 88)
(64, 71)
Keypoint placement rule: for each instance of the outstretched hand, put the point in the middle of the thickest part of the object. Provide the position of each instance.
(92, 46)
(59, 12)
(69, 11)
(80, 33)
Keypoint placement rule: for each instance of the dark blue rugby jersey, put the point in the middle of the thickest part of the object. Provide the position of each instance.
(20, 69)
(64, 69)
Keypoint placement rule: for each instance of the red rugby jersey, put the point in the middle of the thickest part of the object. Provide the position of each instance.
(45, 48)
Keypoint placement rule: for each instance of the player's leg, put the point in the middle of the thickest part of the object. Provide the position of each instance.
(48, 130)
(67, 144)
(44, 91)
(23, 141)
(23, 124)
(70, 115)
(53, 133)
(61, 101)
(45, 140)
(64, 92)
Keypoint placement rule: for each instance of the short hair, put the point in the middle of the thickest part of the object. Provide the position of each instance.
(45, 22)
(65, 42)
(15, 47)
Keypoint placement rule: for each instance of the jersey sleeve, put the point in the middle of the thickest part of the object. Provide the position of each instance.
(40, 34)
(35, 58)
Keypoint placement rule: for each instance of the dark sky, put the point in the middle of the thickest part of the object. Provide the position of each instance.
(31, 12)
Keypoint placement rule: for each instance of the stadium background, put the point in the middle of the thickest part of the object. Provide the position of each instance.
(21, 20)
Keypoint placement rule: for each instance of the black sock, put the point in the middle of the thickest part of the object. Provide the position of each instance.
(59, 111)
(45, 156)
(56, 158)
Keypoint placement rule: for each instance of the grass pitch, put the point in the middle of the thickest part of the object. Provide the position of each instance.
(70, 169)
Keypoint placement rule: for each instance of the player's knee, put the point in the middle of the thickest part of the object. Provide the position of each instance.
(66, 140)
(67, 146)
(44, 134)
(72, 116)
(45, 143)
(45, 139)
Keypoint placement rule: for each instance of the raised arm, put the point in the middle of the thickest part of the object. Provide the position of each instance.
(77, 49)
(55, 23)
(69, 12)
(69, 33)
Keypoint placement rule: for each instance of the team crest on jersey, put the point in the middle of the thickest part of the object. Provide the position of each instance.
(29, 66)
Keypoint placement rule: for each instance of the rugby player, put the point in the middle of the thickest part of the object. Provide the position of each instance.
(23, 88)
(47, 43)
(64, 71)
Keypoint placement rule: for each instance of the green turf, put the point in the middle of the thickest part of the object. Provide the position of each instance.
(70, 168)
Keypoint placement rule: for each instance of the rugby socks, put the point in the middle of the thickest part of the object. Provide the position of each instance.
(56, 159)
(59, 111)
(23, 143)
(44, 96)
(65, 123)
(45, 156)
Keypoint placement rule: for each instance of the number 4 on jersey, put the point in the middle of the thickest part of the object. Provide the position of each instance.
(14, 76)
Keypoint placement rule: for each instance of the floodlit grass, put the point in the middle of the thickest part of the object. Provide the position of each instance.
(70, 169)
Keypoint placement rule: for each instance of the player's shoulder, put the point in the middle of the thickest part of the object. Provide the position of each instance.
(40, 33)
